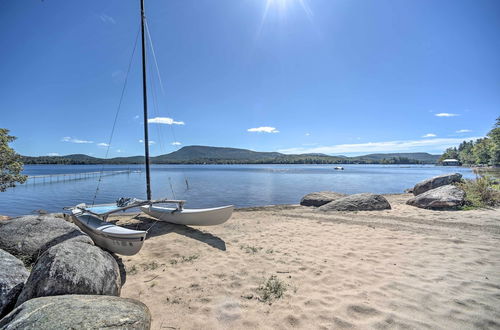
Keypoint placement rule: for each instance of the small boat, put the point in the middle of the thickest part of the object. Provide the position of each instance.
(92, 221)
(339, 168)
(190, 217)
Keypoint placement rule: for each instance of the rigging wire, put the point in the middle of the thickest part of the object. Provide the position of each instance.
(116, 117)
(153, 53)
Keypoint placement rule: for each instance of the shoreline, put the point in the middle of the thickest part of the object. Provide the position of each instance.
(403, 267)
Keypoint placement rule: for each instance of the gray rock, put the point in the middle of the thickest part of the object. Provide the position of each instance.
(29, 236)
(320, 198)
(435, 182)
(358, 202)
(12, 278)
(409, 190)
(72, 268)
(78, 312)
(444, 197)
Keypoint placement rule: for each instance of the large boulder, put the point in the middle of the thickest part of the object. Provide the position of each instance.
(78, 312)
(29, 236)
(12, 278)
(320, 198)
(435, 182)
(444, 197)
(358, 202)
(72, 268)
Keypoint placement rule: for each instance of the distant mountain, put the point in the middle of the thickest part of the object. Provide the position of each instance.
(203, 153)
(219, 155)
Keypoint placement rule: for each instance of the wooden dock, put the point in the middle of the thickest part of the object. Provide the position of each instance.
(53, 178)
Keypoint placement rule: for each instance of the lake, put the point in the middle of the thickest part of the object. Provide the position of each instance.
(211, 185)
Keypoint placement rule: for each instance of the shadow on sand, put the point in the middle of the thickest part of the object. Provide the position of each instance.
(157, 228)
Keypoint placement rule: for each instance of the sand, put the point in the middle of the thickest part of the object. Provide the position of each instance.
(399, 268)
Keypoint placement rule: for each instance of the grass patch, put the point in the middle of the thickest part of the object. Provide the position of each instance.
(480, 192)
(250, 249)
(273, 288)
(133, 270)
(189, 258)
(183, 259)
(151, 266)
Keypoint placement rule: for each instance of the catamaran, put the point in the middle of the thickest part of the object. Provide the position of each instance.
(92, 219)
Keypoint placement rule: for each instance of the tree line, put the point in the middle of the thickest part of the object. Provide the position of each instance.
(485, 151)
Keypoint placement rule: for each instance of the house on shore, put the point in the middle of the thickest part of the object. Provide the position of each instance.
(451, 162)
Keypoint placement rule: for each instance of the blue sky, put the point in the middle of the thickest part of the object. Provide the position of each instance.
(333, 76)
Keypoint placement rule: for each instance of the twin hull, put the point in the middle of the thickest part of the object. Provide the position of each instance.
(113, 238)
(190, 217)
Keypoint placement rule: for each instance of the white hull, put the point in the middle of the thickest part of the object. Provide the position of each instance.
(190, 217)
(109, 236)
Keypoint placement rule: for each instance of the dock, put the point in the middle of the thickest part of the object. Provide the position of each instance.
(54, 178)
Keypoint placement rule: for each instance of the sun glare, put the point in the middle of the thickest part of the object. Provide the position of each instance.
(281, 7)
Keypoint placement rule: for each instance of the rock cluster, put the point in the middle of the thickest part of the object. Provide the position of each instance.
(332, 201)
(320, 198)
(78, 312)
(358, 202)
(441, 198)
(73, 283)
(435, 182)
(13, 274)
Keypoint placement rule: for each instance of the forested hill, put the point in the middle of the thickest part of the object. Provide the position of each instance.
(218, 155)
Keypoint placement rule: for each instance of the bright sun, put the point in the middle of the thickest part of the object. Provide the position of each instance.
(281, 6)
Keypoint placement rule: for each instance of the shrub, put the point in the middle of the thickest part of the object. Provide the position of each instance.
(480, 192)
(273, 288)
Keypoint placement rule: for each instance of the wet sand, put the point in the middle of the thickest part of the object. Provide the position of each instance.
(399, 268)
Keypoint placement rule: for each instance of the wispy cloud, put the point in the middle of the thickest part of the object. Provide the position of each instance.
(164, 120)
(463, 131)
(102, 144)
(445, 114)
(176, 143)
(307, 134)
(107, 19)
(73, 140)
(385, 146)
(150, 142)
(429, 135)
(263, 129)
(53, 154)
(136, 117)
(118, 150)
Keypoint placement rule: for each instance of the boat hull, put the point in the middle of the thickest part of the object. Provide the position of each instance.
(108, 236)
(190, 217)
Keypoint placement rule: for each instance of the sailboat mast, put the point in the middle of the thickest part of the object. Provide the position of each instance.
(145, 100)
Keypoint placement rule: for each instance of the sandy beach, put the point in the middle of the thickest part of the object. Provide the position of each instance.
(400, 268)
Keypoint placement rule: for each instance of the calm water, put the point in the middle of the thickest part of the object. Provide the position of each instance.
(213, 185)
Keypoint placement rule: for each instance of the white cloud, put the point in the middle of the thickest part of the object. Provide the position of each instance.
(73, 140)
(119, 150)
(164, 120)
(53, 154)
(463, 131)
(429, 135)
(107, 19)
(150, 142)
(307, 134)
(385, 146)
(263, 129)
(176, 143)
(136, 117)
(102, 144)
(445, 114)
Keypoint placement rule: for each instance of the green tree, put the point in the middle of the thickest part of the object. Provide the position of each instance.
(481, 151)
(494, 152)
(10, 162)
